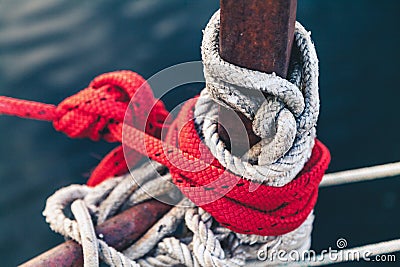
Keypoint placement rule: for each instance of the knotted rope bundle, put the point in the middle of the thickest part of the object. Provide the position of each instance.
(205, 243)
(263, 198)
(261, 201)
(266, 210)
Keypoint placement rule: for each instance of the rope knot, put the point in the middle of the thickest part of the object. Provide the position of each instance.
(98, 112)
(100, 107)
(276, 126)
(283, 112)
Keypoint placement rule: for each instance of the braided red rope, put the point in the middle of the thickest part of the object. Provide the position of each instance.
(237, 203)
(97, 109)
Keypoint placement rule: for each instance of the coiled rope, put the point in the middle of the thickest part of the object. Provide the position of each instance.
(243, 202)
(263, 199)
(205, 244)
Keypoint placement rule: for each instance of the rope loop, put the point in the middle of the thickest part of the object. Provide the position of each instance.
(103, 104)
(81, 227)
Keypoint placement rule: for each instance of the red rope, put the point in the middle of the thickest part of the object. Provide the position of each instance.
(97, 109)
(237, 203)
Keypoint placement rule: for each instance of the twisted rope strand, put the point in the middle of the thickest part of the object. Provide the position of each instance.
(87, 234)
(285, 119)
(361, 175)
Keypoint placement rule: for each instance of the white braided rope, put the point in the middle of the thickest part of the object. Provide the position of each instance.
(87, 234)
(202, 244)
(81, 229)
(285, 119)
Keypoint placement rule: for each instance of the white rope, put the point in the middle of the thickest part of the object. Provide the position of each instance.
(87, 234)
(361, 175)
(81, 229)
(205, 243)
(159, 230)
(201, 246)
(285, 119)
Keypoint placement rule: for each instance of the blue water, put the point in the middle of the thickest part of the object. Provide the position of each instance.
(50, 49)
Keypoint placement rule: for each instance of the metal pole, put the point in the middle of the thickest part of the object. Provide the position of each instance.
(258, 35)
(119, 232)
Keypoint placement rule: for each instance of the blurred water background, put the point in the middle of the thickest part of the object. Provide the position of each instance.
(50, 49)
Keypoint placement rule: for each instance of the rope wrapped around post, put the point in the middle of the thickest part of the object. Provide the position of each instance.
(259, 199)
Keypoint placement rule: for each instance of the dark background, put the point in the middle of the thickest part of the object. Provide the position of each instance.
(50, 49)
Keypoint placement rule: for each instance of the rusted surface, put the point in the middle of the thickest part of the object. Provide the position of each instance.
(258, 35)
(66, 254)
(119, 232)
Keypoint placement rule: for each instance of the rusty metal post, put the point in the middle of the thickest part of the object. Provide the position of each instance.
(119, 232)
(258, 35)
